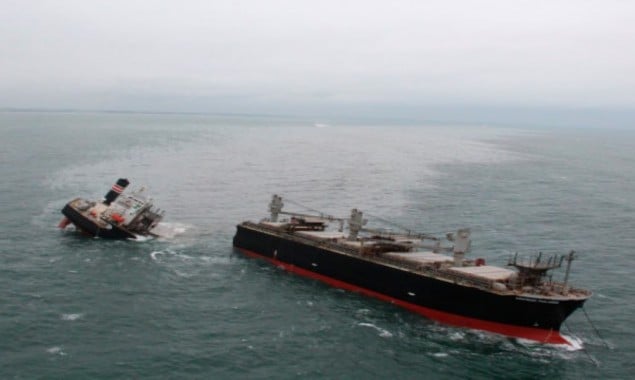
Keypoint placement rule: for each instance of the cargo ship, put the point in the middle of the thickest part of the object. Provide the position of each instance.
(425, 274)
(117, 216)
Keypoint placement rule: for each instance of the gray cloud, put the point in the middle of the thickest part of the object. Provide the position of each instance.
(259, 55)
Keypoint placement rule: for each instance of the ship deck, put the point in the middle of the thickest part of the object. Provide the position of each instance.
(92, 211)
(426, 263)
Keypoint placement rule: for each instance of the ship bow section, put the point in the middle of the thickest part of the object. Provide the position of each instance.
(441, 299)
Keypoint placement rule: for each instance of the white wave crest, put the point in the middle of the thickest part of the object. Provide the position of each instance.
(169, 230)
(56, 350)
(141, 238)
(382, 332)
(575, 343)
(457, 336)
(72, 317)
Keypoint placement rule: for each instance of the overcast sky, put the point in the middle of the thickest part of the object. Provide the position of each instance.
(289, 56)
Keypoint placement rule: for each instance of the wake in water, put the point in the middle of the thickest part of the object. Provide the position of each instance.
(185, 265)
(164, 255)
(163, 231)
(170, 230)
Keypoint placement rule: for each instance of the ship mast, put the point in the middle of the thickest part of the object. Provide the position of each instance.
(275, 209)
(570, 257)
(355, 224)
(461, 245)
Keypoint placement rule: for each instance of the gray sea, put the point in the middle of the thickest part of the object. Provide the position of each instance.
(189, 306)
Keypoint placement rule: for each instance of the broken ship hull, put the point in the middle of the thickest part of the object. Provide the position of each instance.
(441, 299)
(92, 227)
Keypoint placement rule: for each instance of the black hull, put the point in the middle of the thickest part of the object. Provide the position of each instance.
(439, 299)
(89, 227)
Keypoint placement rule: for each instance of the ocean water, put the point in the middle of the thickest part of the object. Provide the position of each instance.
(189, 306)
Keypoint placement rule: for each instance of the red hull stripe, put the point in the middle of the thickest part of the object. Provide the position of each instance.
(117, 189)
(64, 222)
(531, 333)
